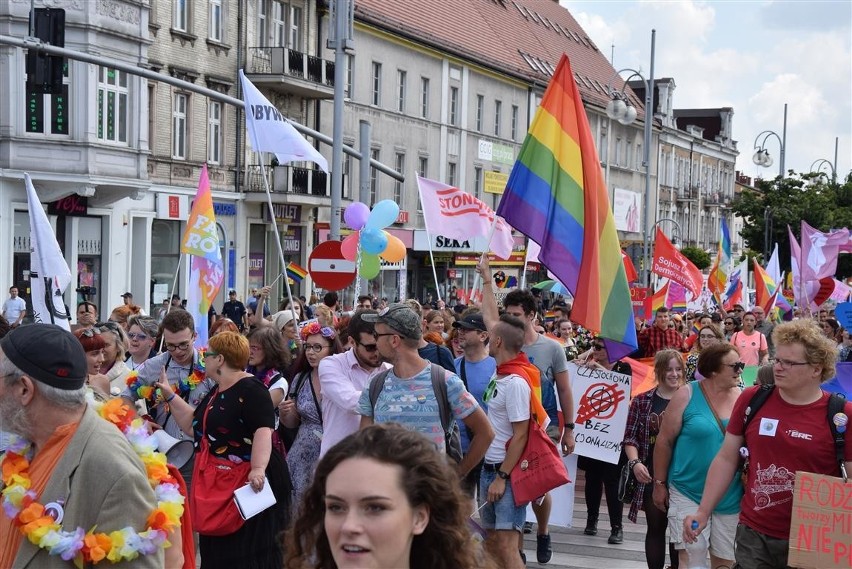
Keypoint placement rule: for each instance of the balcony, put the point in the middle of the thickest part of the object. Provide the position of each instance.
(687, 194)
(291, 72)
(713, 199)
(300, 185)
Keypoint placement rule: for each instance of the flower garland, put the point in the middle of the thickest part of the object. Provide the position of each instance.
(44, 531)
(183, 387)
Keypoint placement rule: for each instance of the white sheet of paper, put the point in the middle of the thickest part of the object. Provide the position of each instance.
(251, 503)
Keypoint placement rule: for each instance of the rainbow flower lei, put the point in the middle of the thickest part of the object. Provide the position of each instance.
(184, 386)
(79, 545)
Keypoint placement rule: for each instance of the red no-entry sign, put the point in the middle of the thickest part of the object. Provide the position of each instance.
(329, 269)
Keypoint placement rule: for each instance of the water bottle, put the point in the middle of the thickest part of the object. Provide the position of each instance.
(696, 552)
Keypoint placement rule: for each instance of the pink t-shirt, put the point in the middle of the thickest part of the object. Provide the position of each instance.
(749, 346)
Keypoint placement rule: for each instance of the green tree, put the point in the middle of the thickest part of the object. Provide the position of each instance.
(788, 201)
(698, 256)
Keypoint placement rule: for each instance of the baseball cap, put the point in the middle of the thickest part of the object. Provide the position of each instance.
(48, 354)
(471, 322)
(400, 317)
(127, 295)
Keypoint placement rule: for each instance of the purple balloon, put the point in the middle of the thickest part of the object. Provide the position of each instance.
(356, 215)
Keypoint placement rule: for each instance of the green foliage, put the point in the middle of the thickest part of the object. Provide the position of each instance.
(698, 256)
(790, 200)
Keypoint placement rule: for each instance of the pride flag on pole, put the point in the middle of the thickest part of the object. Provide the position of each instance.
(718, 278)
(296, 272)
(660, 298)
(556, 195)
(201, 242)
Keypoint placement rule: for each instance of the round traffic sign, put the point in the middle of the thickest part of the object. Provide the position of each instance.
(329, 269)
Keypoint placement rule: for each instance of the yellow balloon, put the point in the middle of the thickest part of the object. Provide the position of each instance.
(395, 250)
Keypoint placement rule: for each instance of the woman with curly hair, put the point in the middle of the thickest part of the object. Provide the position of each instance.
(383, 497)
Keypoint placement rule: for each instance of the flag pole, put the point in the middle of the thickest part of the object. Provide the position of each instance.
(488, 245)
(169, 307)
(526, 260)
(428, 240)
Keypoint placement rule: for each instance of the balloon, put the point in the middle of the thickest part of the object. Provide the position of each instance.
(349, 247)
(356, 215)
(395, 251)
(373, 241)
(384, 213)
(370, 266)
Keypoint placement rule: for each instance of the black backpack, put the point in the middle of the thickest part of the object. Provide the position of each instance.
(836, 402)
(452, 436)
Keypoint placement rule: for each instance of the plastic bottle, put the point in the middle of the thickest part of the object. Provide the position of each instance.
(696, 552)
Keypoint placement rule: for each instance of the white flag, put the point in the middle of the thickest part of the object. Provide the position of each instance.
(270, 131)
(49, 273)
(458, 215)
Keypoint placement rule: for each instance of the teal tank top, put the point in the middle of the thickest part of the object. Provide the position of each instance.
(699, 440)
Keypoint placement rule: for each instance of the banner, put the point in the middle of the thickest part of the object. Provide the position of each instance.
(821, 524)
(602, 398)
(670, 263)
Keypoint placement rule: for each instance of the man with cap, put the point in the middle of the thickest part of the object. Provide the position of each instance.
(407, 396)
(81, 467)
(475, 368)
(128, 298)
(235, 310)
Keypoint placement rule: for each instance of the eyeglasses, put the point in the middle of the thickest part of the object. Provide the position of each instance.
(377, 335)
(737, 367)
(111, 325)
(369, 347)
(182, 347)
(314, 347)
(787, 364)
(729, 323)
(210, 354)
(135, 336)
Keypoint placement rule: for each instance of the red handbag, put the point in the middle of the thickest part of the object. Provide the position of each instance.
(214, 480)
(540, 468)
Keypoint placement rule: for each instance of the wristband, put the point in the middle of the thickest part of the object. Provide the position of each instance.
(168, 399)
(569, 426)
(502, 475)
(661, 483)
(632, 463)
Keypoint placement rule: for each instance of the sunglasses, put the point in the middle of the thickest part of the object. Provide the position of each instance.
(135, 336)
(737, 367)
(369, 347)
(107, 325)
(91, 332)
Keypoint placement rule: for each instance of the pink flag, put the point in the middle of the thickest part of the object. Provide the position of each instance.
(819, 252)
(454, 213)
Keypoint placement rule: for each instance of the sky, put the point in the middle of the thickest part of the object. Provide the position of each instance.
(753, 56)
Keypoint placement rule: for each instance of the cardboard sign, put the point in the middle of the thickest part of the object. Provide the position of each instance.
(821, 524)
(602, 398)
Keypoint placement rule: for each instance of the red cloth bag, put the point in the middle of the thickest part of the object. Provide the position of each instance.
(540, 468)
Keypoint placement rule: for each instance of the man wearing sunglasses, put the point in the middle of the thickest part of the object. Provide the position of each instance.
(344, 376)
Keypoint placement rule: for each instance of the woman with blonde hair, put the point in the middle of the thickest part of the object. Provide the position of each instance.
(707, 336)
(114, 368)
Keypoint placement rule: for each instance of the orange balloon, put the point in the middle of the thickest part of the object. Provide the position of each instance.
(395, 250)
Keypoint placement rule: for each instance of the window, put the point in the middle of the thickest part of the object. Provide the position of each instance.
(113, 112)
(215, 20)
(179, 126)
(498, 110)
(377, 84)
(214, 132)
(617, 157)
(399, 166)
(640, 159)
(48, 114)
(262, 29)
(423, 167)
(279, 25)
(628, 155)
(603, 147)
(295, 28)
(514, 122)
(152, 104)
(477, 181)
(347, 175)
(454, 105)
(480, 108)
(424, 97)
(451, 173)
(181, 15)
(374, 176)
(400, 99)
(350, 73)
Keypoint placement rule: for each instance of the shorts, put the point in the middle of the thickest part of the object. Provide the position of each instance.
(554, 432)
(721, 528)
(501, 515)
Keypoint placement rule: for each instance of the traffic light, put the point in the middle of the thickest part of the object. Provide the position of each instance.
(44, 72)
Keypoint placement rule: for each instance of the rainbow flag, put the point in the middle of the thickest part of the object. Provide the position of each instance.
(296, 272)
(207, 272)
(677, 297)
(718, 278)
(556, 195)
(660, 298)
(764, 288)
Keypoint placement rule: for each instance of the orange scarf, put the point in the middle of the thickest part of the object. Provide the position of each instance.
(521, 365)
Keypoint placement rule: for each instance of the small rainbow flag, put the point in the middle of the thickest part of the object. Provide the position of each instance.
(556, 195)
(509, 282)
(296, 272)
(660, 298)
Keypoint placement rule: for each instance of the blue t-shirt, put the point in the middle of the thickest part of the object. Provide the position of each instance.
(411, 402)
(549, 357)
(478, 375)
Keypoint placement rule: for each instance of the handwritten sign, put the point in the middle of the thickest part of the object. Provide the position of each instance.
(821, 524)
(602, 398)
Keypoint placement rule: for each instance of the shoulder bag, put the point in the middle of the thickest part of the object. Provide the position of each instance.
(540, 468)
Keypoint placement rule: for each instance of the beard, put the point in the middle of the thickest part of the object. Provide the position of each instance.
(13, 418)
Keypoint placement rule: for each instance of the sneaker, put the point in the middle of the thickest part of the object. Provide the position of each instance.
(543, 552)
(527, 527)
(591, 527)
(616, 536)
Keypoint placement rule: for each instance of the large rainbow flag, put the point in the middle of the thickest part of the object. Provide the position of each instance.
(556, 195)
(718, 278)
(764, 288)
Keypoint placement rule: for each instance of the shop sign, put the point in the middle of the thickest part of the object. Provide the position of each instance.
(494, 182)
(402, 218)
(495, 152)
(284, 213)
(516, 259)
(224, 209)
(171, 206)
(448, 244)
(74, 205)
(291, 240)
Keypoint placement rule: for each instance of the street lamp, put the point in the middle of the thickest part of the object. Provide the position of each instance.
(818, 164)
(761, 155)
(621, 109)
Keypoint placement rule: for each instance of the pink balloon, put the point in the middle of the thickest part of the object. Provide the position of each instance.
(349, 247)
(356, 215)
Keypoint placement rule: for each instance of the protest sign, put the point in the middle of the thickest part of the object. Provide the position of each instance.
(821, 524)
(603, 399)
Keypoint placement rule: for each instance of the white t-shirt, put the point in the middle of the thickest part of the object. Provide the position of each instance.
(12, 309)
(510, 404)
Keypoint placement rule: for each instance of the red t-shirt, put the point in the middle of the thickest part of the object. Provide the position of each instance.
(782, 439)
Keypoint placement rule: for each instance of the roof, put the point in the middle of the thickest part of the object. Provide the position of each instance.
(520, 38)
(708, 119)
